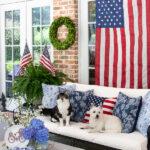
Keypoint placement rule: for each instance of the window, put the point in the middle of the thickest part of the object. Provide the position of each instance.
(12, 46)
(87, 45)
(16, 25)
(40, 30)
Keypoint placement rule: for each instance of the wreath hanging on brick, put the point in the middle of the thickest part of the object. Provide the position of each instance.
(62, 45)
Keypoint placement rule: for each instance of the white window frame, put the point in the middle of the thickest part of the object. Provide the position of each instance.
(15, 5)
(83, 53)
(33, 4)
(2, 46)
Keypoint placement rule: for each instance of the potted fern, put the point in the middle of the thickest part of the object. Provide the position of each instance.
(29, 85)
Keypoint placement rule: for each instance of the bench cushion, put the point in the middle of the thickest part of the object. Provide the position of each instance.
(131, 141)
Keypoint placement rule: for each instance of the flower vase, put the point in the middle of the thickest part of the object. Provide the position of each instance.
(39, 146)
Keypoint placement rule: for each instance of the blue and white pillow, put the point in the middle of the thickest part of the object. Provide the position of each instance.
(144, 116)
(79, 103)
(67, 88)
(127, 109)
(50, 93)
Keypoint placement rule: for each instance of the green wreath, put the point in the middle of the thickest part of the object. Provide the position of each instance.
(53, 33)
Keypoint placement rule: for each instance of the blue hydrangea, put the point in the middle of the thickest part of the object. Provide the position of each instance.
(42, 135)
(37, 124)
(29, 133)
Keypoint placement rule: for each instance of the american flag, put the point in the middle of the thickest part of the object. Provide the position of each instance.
(26, 59)
(123, 43)
(46, 62)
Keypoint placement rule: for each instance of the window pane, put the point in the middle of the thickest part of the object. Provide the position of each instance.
(36, 16)
(16, 37)
(92, 36)
(9, 54)
(91, 11)
(9, 71)
(45, 36)
(91, 56)
(36, 36)
(36, 54)
(8, 86)
(16, 70)
(16, 18)
(8, 37)
(17, 55)
(92, 76)
(8, 19)
(46, 15)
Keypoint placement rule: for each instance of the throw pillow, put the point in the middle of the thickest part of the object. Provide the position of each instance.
(144, 116)
(127, 109)
(50, 93)
(67, 88)
(79, 102)
(108, 105)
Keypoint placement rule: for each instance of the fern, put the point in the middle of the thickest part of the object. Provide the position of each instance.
(30, 84)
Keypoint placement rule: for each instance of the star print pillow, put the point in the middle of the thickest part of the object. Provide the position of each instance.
(108, 105)
(79, 103)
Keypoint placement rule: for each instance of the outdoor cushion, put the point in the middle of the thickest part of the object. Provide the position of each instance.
(130, 141)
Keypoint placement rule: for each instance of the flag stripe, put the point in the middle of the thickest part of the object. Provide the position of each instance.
(131, 28)
(119, 70)
(136, 34)
(97, 56)
(107, 46)
(102, 58)
(148, 40)
(111, 57)
(123, 41)
(140, 43)
(115, 59)
(144, 47)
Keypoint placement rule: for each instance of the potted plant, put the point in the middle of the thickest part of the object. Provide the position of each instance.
(29, 85)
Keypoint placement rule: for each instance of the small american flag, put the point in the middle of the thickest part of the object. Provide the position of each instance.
(46, 62)
(123, 43)
(26, 59)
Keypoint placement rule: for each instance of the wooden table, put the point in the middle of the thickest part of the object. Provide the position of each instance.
(57, 146)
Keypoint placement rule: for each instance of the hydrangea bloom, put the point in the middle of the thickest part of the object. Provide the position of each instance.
(37, 124)
(29, 133)
(42, 135)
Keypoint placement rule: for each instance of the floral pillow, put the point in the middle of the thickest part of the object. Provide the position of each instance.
(79, 103)
(67, 88)
(127, 109)
(144, 116)
(50, 93)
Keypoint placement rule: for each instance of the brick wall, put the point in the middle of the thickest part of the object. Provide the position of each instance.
(67, 60)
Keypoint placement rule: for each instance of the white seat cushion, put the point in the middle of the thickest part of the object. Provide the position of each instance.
(132, 141)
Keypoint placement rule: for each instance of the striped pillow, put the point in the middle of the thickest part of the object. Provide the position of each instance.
(108, 107)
